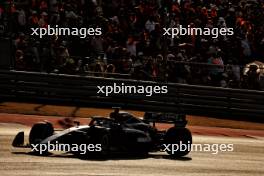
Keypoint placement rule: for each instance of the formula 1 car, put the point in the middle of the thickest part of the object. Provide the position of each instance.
(121, 133)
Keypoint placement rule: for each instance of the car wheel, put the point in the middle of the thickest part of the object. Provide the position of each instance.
(40, 131)
(180, 140)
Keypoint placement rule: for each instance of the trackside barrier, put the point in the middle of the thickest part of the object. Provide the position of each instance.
(82, 91)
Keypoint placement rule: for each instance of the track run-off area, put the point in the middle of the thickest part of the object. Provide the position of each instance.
(247, 158)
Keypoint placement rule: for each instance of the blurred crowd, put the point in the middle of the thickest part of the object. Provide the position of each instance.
(133, 43)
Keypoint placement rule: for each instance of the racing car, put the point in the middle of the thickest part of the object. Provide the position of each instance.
(121, 132)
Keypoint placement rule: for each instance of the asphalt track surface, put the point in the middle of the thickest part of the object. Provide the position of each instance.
(246, 159)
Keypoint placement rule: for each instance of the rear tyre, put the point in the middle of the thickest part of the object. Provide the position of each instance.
(180, 140)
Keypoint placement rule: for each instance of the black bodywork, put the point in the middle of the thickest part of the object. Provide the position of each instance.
(125, 134)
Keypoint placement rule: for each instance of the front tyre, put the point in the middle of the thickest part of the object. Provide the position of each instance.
(40, 131)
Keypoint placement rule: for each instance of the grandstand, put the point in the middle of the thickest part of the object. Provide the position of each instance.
(132, 44)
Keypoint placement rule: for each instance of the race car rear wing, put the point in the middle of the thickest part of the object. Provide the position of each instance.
(178, 120)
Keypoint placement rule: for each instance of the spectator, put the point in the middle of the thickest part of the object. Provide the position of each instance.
(21, 19)
(133, 27)
(20, 62)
